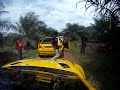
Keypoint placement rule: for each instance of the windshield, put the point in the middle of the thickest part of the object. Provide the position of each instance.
(46, 41)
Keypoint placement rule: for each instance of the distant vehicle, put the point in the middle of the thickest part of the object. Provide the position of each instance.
(45, 47)
(49, 73)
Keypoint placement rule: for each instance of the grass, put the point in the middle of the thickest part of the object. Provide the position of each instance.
(97, 65)
(30, 53)
(5, 48)
(8, 55)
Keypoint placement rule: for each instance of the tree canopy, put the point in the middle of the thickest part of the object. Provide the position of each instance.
(4, 24)
(108, 22)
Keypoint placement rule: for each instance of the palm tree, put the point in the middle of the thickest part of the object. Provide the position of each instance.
(110, 9)
(71, 31)
(4, 24)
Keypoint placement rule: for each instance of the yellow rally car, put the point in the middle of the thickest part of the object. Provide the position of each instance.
(45, 47)
(59, 75)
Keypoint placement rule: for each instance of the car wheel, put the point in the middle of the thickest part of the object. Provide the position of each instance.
(41, 56)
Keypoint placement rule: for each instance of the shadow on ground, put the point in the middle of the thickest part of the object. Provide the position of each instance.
(7, 56)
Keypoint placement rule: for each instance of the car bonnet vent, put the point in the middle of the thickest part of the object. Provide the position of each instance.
(64, 65)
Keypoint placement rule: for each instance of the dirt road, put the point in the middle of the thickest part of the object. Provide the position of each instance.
(67, 56)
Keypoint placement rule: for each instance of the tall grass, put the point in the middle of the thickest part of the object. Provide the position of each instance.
(97, 65)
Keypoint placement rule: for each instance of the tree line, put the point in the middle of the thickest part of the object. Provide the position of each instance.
(30, 28)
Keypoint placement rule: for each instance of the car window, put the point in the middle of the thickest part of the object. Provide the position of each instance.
(47, 41)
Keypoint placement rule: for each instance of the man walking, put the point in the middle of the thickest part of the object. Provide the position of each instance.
(55, 45)
(84, 41)
(19, 48)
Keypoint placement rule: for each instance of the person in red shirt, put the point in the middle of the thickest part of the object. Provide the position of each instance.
(19, 48)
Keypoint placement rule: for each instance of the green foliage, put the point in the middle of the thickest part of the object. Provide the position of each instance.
(110, 9)
(97, 64)
(28, 24)
(91, 33)
(30, 53)
(4, 24)
(102, 28)
(10, 39)
(31, 28)
(74, 32)
(109, 23)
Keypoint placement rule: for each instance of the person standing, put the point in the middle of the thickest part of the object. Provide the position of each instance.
(19, 48)
(84, 41)
(54, 43)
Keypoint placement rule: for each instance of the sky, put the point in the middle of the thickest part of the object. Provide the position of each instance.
(55, 13)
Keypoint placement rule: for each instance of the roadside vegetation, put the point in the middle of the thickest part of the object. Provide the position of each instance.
(97, 63)
(30, 54)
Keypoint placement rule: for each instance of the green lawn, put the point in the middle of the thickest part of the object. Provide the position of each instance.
(97, 65)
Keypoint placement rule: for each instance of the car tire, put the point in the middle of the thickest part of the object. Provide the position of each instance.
(41, 56)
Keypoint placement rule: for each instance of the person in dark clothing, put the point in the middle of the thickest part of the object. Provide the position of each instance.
(19, 48)
(55, 46)
(84, 41)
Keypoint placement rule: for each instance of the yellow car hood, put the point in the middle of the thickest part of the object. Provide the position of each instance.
(59, 64)
(42, 63)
